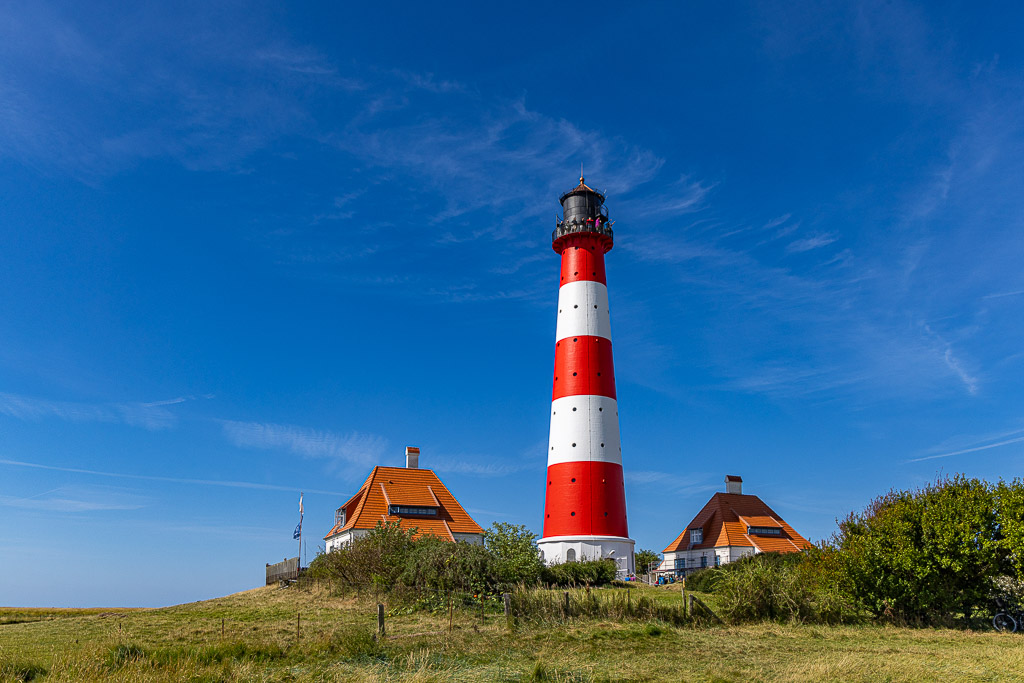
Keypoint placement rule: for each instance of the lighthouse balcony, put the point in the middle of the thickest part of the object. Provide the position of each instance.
(576, 226)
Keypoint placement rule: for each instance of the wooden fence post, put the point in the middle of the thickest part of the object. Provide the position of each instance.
(222, 627)
(508, 604)
(298, 627)
(567, 612)
(380, 619)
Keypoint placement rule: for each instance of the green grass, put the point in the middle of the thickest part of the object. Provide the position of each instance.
(335, 642)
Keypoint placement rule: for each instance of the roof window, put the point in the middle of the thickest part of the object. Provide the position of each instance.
(412, 510)
(764, 530)
(696, 535)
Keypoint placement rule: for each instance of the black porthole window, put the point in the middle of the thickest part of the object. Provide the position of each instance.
(574, 480)
(572, 514)
(576, 273)
(575, 305)
(574, 374)
(575, 338)
(605, 514)
(574, 409)
(595, 306)
(602, 446)
(574, 445)
(598, 410)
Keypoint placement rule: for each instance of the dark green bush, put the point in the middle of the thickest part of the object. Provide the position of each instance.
(928, 557)
(783, 587)
(441, 566)
(20, 671)
(704, 580)
(590, 573)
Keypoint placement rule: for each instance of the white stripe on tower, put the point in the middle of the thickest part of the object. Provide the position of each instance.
(584, 428)
(583, 310)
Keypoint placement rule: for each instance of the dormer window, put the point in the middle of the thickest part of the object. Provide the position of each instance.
(339, 517)
(412, 510)
(764, 530)
(696, 536)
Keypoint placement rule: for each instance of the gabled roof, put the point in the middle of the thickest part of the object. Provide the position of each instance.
(725, 519)
(406, 486)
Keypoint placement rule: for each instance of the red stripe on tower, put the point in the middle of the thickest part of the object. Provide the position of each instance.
(585, 503)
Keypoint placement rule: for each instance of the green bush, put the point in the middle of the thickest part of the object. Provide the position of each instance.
(928, 557)
(590, 573)
(782, 587)
(704, 580)
(442, 566)
(514, 554)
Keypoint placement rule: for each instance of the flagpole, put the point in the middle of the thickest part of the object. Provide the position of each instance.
(300, 531)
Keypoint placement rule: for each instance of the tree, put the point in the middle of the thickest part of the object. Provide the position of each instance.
(644, 560)
(515, 556)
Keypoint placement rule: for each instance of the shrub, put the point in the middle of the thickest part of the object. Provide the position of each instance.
(704, 580)
(438, 565)
(377, 559)
(927, 557)
(514, 555)
(590, 573)
(782, 587)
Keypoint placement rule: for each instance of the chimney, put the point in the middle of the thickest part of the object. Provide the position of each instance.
(412, 457)
(733, 484)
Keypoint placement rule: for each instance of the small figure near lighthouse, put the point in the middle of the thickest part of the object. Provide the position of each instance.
(585, 505)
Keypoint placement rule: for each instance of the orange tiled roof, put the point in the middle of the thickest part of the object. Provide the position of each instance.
(406, 486)
(725, 519)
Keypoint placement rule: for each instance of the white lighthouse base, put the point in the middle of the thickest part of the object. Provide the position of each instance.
(558, 549)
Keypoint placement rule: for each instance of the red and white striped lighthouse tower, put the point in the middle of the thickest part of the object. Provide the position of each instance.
(585, 506)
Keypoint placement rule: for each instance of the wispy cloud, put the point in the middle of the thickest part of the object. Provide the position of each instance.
(478, 467)
(679, 484)
(353, 448)
(809, 243)
(76, 499)
(972, 449)
(152, 415)
(171, 480)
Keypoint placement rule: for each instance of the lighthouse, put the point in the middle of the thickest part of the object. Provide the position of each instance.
(585, 503)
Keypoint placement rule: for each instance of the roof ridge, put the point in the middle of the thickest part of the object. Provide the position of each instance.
(367, 486)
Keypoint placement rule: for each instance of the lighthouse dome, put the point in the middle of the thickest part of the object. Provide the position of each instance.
(581, 203)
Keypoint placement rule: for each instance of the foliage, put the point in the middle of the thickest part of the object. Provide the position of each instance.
(782, 587)
(705, 580)
(927, 557)
(515, 558)
(442, 566)
(589, 573)
(644, 559)
(377, 559)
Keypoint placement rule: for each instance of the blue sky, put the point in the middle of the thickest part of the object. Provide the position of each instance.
(248, 251)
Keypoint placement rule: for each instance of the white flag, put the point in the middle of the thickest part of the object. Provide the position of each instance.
(300, 505)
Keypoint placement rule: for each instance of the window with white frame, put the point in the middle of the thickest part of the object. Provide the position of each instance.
(696, 535)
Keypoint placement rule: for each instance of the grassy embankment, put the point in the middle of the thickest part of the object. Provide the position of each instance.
(335, 642)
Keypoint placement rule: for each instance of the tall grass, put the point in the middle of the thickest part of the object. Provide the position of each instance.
(550, 607)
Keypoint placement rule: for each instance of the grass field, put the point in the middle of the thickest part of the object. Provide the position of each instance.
(274, 634)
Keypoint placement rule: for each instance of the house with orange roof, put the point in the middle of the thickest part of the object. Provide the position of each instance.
(730, 526)
(413, 497)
